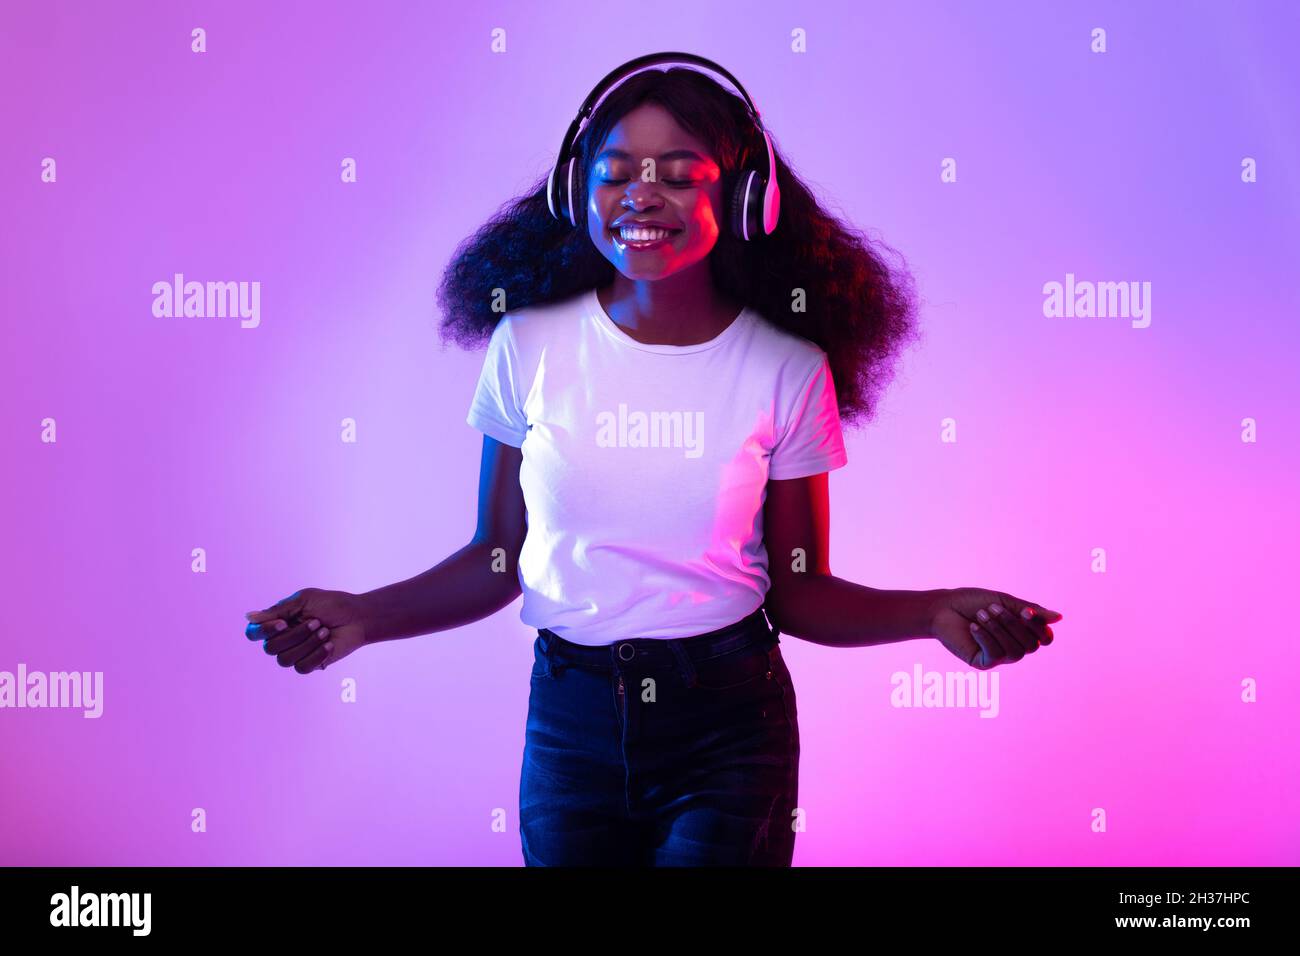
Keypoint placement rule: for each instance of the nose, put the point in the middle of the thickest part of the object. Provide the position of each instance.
(639, 194)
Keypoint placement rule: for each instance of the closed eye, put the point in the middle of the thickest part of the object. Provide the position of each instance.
(671, 182)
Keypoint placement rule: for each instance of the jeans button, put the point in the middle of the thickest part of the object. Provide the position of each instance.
(630, 652)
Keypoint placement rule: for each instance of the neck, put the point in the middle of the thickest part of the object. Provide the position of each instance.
(682, 309)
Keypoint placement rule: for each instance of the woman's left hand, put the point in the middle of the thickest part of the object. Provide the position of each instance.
(986, 628)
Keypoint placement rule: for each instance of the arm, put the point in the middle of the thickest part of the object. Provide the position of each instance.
(980, 627)
(816, 606)
(470, 584)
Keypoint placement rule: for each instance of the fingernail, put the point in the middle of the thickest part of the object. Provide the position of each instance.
(328, 646)
(324, 633)
(974, 628)
(997, 608)
(982, 614)
(1027, 613)
(280, 625)
(313, 624)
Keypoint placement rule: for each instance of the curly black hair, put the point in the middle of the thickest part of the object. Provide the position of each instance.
(856, 307)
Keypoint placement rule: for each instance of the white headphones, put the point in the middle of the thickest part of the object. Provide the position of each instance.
(755, 203)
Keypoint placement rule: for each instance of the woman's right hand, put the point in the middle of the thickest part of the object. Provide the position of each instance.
(310, 629)
(985, 628)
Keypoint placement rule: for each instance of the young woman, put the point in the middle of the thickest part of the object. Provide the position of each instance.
(673, 339)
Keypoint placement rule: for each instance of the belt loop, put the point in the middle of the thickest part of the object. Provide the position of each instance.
(553, 668)
(685, 665)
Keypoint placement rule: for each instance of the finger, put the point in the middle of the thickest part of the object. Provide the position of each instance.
(293, 655)
(285, 608)
(1016, 606)
(1049, 617)
(1012, 648)
(316, 660)
(1035, 615)
(1033, 620)
(994, 626)
(968, 649)
(990, 647)
(292, 637)
(1025, 637)
(269, 629)
(266, 630)
(1038, 624)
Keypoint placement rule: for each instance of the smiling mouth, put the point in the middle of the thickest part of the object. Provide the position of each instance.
(642, 237)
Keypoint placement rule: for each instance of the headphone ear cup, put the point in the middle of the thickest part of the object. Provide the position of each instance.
(555, 192)
(738, 212)
(560, 190)
(568, 192)
(578, 192)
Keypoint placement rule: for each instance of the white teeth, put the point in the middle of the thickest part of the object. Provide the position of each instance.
(642, 234)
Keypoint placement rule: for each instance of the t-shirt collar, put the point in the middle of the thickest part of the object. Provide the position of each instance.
(601, 317)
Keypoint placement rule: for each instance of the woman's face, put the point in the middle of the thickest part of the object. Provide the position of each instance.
(651, 171)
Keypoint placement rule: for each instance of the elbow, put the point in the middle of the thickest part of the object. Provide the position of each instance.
(796, 602)
(779, 606)
(496, 571)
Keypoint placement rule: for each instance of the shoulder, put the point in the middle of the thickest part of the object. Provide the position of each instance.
(533, 326)
(794, 358)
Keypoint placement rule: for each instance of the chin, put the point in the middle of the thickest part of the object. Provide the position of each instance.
(658, 269)
(641, 275)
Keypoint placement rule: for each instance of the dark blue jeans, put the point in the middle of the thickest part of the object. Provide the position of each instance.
(657, 752)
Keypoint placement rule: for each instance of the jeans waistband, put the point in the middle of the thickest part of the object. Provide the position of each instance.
(656, 651)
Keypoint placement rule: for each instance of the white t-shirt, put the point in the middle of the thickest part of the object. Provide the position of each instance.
(645, 467)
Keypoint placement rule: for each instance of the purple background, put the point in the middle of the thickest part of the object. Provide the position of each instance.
(1074, 433)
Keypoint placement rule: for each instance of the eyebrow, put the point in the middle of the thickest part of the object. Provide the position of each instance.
(662, 157)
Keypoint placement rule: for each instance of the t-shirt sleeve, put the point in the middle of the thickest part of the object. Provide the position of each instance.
(811, 441)
(497, 407)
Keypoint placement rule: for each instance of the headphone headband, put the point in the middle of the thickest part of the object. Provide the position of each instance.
(651, 59)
